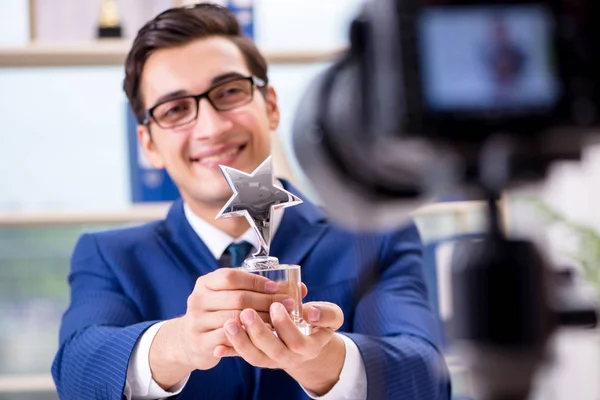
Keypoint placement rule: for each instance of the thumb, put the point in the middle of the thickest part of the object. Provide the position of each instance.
(323, 314)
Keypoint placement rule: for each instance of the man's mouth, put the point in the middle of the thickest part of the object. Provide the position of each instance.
(225, 157)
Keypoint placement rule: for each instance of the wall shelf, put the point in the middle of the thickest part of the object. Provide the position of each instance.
(113, 52)
(26, 383)
(137, 213)
(150, 211)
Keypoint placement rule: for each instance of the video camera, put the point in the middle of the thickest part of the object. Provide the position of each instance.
(439, 97)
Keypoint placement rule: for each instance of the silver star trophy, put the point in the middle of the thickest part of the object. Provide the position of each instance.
(257, 196)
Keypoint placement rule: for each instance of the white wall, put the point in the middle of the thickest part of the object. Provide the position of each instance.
(63, 142)
(14, 22)
(303, 24)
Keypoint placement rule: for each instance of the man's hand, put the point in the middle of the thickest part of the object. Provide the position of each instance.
(315, 361)
(188, 343)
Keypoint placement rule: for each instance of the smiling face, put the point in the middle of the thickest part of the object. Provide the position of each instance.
(239, 138)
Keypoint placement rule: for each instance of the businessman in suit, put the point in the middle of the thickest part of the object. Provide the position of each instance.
(154, 313)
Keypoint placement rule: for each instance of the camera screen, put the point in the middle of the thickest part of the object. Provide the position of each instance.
(477, 59)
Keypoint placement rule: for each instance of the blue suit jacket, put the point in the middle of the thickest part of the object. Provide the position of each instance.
(123, 281)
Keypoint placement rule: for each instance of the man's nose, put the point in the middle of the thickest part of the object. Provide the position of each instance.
(210, 123)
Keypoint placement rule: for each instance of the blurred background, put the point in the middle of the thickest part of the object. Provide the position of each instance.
(69, 163)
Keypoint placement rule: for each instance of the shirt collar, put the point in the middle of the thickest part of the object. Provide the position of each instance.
(216, 240)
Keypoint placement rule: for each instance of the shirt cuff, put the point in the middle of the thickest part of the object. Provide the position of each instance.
(352, 384)
(139, 384)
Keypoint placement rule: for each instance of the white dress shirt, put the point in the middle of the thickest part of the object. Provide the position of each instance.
(352, 384)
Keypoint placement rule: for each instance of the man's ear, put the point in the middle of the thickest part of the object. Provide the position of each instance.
(272, 108)
(149, 147)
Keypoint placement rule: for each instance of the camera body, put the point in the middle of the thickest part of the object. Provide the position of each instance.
(465, 70)
(416, 107)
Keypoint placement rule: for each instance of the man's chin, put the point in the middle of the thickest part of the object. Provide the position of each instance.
(209, 197)
(216, 199)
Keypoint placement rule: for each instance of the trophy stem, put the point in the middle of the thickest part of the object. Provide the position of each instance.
(263, 233)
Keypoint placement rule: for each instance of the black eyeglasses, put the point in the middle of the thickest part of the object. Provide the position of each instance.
(225, 96)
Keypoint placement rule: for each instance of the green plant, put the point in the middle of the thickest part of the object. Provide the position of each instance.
(587, 240)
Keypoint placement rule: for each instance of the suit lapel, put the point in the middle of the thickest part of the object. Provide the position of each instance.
(301, 228)
(189, 248)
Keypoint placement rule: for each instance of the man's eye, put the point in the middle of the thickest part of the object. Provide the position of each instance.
(231, 91)
(176, 110)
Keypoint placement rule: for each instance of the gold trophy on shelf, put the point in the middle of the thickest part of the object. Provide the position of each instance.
(109, 23)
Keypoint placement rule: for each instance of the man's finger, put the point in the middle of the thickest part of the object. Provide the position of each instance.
(323, 314)
(284, 287)
(243, 345)
(241, 299)
(216, 319)
(236, 279)
(224, 351)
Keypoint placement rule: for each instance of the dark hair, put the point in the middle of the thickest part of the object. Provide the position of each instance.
(179, 26)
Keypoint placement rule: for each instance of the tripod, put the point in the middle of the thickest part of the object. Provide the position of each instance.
(502, 291)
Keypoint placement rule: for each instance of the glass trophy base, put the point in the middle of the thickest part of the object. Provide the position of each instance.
(289, 280)
(304, 327)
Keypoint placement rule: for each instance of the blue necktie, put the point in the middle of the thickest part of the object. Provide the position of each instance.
(235, 254)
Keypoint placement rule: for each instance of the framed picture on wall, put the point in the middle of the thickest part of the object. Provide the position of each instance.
(68, 21)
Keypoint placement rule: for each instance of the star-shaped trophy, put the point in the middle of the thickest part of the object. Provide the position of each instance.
(257, 196)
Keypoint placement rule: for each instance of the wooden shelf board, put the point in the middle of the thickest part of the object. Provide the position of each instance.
(114, 51)
(135, 214)
(26, 383)
(152, 211)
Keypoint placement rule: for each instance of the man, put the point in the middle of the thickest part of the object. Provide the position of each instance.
(152, 315)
